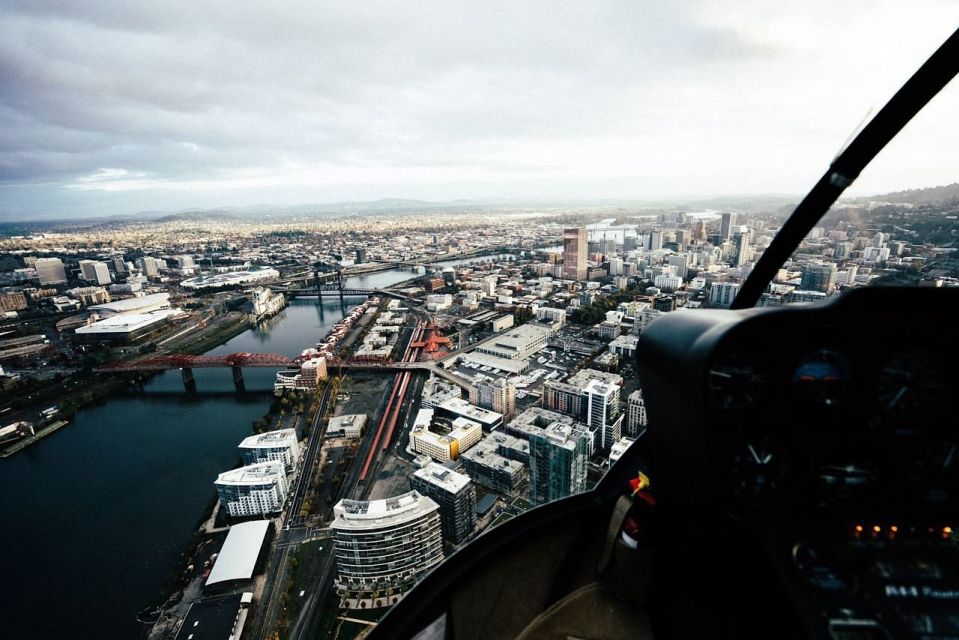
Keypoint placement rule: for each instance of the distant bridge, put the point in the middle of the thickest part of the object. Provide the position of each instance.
(237, 361)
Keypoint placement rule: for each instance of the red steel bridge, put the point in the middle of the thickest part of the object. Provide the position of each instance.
(187, 363)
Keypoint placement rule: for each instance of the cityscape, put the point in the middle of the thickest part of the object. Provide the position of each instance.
(458, 373)
(478, 320)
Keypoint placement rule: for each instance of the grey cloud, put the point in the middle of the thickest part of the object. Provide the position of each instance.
(201, 91)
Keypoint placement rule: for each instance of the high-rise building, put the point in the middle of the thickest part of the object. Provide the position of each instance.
(360, 255)
(119, 265)
(742, 250)
(575, 247)
(819, 277)
(635, 415)
(149, 266)
(95, 272)
(280, 445)
(557, 463)
(382, 547)
(498, 395)
(655, 241)
(50, 271)
(602, 411)
(253, 490)
(726, 226)
(722, 294)
(454, 493)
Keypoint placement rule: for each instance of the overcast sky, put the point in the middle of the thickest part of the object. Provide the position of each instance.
(116, 107)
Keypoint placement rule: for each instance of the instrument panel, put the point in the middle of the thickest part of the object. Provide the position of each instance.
(819, 444)
(830, 412)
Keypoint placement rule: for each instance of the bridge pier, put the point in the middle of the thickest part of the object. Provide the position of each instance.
(238, 378)
(189, 382)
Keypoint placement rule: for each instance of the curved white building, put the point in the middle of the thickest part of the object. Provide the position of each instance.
(253, 490)
(385, 544)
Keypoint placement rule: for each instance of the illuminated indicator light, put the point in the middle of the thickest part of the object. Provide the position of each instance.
(876, 528)
(858, 528)
(894, 528)
(946, 531)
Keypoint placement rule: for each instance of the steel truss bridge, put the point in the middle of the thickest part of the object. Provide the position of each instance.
(187, 363)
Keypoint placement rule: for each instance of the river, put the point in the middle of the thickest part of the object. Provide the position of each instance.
(94, 517)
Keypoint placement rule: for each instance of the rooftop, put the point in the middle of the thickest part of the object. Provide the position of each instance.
(464, 408)
(237, 559)
(279, 439)
(361, 514)
(259, 473)
(440, 476)
(127, 323)
(132, 304)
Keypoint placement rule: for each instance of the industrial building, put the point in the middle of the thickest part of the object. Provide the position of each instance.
(241, 556)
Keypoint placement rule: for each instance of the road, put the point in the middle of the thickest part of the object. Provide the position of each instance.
(308, 467)
(293, 532)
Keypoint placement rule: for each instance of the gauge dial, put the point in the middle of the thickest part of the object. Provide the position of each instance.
(823, 379)
(911, 382)
(757, 472)
(736, 383)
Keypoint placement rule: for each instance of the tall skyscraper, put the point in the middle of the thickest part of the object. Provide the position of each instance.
(454, 493)
(819, 277)
(95, 272)
(655, 241)
(575, 246)
(149, 266)
(602, 411)
(635, 415)
(742, 250)
(557, 463)
(725, 229)
(50, 271)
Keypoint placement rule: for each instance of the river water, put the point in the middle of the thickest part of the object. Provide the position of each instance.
(93, 518)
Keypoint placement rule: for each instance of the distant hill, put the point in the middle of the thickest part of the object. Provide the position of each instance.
(193, 216)
(945, 194)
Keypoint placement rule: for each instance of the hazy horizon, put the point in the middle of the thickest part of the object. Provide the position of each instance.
(117, 109)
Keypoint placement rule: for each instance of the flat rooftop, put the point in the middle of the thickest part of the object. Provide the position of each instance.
(132, 304)
(211, 619)
(440, 476)
(127, 322)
